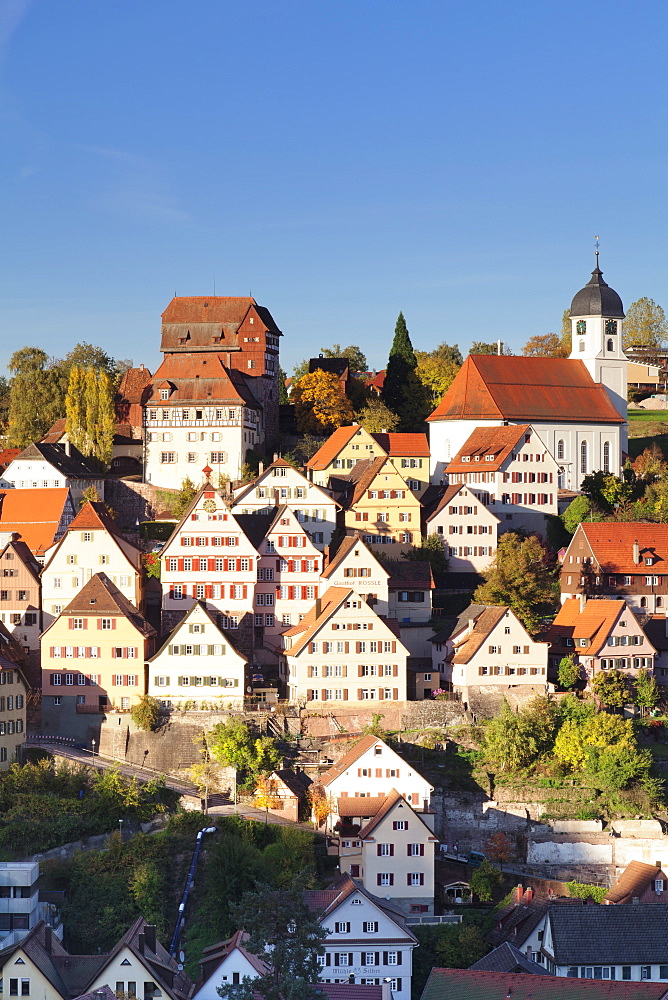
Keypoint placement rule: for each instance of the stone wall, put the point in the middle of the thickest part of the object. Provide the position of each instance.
(132, 501)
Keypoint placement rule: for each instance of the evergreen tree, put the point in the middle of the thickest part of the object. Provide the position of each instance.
(283, 397)
(403, 392)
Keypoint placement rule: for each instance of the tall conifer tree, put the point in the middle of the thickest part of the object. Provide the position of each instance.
(402, 391)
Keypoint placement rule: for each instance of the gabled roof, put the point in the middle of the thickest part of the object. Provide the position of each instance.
(7, 455)
(335, 443)
(335, 366)
(346, 546)
(213, 956)
(34, 514)
(34, 945)
(325, 901)
(392, 800)
(472, 984)
(349, 758)
(633, 881)
(490, 387)
(101, 597)
(594, 622)
(617, 935)
(255, 526)
(133, 385)
(278, 463)
(483, 626)
(437, 498)
(359, 805)
(226, 311)
(298, 782)
(200, 378)
(454, 625)
(94, 515)
(73, 466)
(24, 555)
(316, 617)
(484, 443)
(403, 445)
(192, 612)
(507, 958)
(612, 544)
(55, 432)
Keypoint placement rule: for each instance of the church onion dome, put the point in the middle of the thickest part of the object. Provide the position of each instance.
(597, 298)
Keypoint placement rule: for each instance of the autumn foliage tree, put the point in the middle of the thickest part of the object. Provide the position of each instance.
(546, 345)
(89, 412)
(320, 404)
(645, 326)
(320, 803)
(522, 577)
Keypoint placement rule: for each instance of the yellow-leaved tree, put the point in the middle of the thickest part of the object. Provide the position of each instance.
(320, 403)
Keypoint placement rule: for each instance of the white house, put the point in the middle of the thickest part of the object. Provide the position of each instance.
(576, 405)
(393, 854)
(355, 565)
(224, 963)
(91, 544)
(371, 769)
(53, 466)
(466, 526)
(198, 663)
(281, 484)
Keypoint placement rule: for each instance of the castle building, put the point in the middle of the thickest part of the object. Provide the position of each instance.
(215, 395)
(576, 405)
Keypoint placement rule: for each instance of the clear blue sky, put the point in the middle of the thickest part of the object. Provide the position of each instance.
(340, 159)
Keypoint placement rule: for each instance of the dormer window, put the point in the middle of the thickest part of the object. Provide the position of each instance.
(649, 561)
(164, 394)
(477, 458)
(489, 458)
(466, 458)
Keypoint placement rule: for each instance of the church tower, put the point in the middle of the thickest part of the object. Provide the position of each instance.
(597, 317)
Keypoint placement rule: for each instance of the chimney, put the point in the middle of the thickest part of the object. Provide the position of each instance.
(499, 346)
(519, 893)
(141, 367)
(149, 937)
(636, 552)
(326, 558)
(260, 468)
(471, 624)
(68, 447)
(528, 895)
(583, 602)
(140, 944)
(318, 607)
(275, 456)
(47, 939)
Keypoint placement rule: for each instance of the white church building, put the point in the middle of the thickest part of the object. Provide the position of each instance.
(576, 405)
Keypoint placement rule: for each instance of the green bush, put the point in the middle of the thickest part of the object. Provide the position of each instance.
(146, 713)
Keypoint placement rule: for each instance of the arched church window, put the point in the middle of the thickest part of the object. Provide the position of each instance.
(606, 456)
(581, 345)
(583, 458)
(611, 346)
(561, 451)
(643, 602)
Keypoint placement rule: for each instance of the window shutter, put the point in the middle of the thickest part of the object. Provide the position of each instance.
(167, 681)
(408, 880)
(124, 654)
(378, 853)
(377, 962)
(51, 652)
(212, 565)
(113, 623)
(360, 667)
(379, 772)
(359, 694)
(85, 621)
(345, 671)
(394, 646)
(88, 654)
(421, 850)
(304, 567)
(171, 593)
(208, 591)
(395, 668)
(395, 694)
(345, 694)
(180, 565)
(75, 651)
(381, 694)
(358, 650)
(391, 850)
(323, 695)
(245, 591)
(384, 958)
(398, 958)
(125, 680)
(421, 878)
(70, 622)
(113, 652)
(309, 671)
(347, 647)
(359, 772)
(378, 875)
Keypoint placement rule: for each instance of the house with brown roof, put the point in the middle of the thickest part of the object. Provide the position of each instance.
(37, 517)
(227, 962)
(392, 854)
(215, 395)
(467, 527)
(93, 657)
(347, 446)
(576, 405)
(286, 792)
(359, 782)
(627, 560)
(280, 484)
(91, 544)
(353, 564)
(43, 466)
(482, 984)
(342, 651)
(138, 965)
(488, 649)
(511, 472)
(638, 883)
(599, 635)
(379, 506)
(20, 599)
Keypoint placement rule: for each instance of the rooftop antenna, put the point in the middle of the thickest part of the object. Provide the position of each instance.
(596, 245)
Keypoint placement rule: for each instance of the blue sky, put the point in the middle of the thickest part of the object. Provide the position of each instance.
(340, 160)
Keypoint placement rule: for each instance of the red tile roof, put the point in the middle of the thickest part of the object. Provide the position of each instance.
(35, 514)
(485, 441)
(348, 759)
(636, 877)
(133, 384)
(489, 387)
(6, 456)
(207, 309)
(594, 622)
(200, 377)
(612, 544)
(328, 451)
(360, 805)
(406, 445)
(316, 617)
(470, 984)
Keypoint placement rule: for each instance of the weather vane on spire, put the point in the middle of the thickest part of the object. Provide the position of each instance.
(596, 245)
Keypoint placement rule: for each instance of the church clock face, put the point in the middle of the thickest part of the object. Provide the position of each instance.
(581, 326)
(610, 326)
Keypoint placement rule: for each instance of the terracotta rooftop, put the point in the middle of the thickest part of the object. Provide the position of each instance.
(316, 616)
(199, 378)
(34, 514)
(633, 881)
(7, 455)
(93, 514)
(595, 622)
(489, 387)
(487, 448)
(349, 758)
(485, 622)
(471, 984)
(348, 543)
(613, 542)
(328, 451)
(436, 498)
(410, 574)
(404, 445)
(360, 805)
(225, 310)
(133, 385)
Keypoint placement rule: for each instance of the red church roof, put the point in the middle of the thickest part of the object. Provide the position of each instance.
(492, 387)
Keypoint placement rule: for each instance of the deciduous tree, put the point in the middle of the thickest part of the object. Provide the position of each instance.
(482, 347)
(266, 795)
(36, 396)
(645, 326)
(233, 743)
(436, 375)
(376, 417)
(646, 690)
(320, 803)
(522, 577)
(320, 404)
(568, 672)
(485, 882)
(613, 688)
(576, 738)
(89, 412)
(546, 345)
(357, 363)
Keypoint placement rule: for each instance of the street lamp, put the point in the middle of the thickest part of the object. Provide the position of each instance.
(120, 830)
(93, 744)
